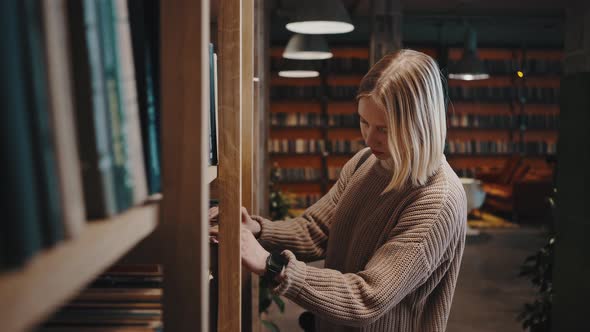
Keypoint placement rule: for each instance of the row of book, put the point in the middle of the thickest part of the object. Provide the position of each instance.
(80, 115)
(348, 65)
(480, 147)
(299, 145)
(126, 297)
(302, 146)
(539, 148)
(332, 66)
(500, 147)
(280, 92)
(540, 121)
(529, 94)
(299, 174)
(314, 120)
(303, 200)
(296, 120)
(463, 120)
(531, 121)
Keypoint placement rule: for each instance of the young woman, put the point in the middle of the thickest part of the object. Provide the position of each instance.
(391, 230)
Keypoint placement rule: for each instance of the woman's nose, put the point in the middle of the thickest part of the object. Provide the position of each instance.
(372, 138)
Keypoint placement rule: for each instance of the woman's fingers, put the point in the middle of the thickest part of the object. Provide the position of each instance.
(213, 234)
(213, 214)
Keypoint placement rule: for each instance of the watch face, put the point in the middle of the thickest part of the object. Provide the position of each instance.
(274, 266)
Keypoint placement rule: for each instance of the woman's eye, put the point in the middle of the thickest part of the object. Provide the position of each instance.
(383, 130)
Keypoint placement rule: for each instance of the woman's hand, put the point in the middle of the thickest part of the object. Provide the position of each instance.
(251, 225)
(247, 221)
(253, 254)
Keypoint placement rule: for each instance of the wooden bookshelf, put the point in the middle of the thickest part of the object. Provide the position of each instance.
(34, 291)
(172, 229)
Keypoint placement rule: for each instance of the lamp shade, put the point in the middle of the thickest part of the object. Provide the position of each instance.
(469, 67)
(307, 47)
(320, 17)
(299, 68)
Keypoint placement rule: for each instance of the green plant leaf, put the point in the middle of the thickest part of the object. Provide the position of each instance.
(271, 326)
(280, 303)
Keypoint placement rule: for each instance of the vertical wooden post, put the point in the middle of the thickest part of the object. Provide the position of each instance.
(185, 99)
(247, 146)
(230, 71)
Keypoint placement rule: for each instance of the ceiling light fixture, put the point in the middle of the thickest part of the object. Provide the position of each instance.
(307, 47)
(469, 67)
(320, 17)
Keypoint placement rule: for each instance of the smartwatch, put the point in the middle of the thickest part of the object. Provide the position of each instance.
(274, 266)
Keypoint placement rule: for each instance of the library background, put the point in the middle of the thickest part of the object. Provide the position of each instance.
(126, 120)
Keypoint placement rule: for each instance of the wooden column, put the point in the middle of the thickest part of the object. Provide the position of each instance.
(230, 69)
(248, 184)
(185, 101)
(386, 28)
(571, 269)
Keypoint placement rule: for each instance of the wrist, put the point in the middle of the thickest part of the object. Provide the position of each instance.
(275, 265)
(262, 263)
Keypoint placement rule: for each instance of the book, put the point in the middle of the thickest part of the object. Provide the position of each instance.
(143, 20)
(114, 100)
(21, 234)
(61, 111)
(128, 90)
(92, 118)
(212, 106)
(43, 146)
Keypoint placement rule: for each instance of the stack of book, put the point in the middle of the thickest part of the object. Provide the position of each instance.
(124, 297)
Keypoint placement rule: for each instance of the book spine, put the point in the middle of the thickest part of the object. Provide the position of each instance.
(62, 116)
(145, 51)
(91, 111)
(108, 43)
(20, 236)
(43, 145)
(212, 107)
(129, 93)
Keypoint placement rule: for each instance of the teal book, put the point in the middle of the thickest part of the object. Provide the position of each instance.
(92, 117)
(35, 78)
(143, 20)
(128, 91)
(20, 237)
(113, 92)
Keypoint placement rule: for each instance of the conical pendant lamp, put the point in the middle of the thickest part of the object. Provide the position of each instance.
(469, 67)
(307, 47)
(320, 17)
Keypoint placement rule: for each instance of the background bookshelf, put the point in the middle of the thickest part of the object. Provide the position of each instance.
(488, 121)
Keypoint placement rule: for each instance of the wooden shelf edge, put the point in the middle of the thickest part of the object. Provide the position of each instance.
(30, 294)
(211, 173)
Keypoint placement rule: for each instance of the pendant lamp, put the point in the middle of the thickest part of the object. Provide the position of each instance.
(307, 47)
(299, 69)
(469, 67)
(320, 17)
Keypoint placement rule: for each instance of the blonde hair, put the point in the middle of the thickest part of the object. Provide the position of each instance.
(408, 85)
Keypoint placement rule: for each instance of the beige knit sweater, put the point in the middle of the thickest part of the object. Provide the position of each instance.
(391, 261)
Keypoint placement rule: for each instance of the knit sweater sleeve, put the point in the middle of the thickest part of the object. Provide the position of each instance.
(307, 235)
(400, 266)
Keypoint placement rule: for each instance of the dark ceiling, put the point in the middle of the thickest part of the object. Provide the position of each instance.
(522, 23)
